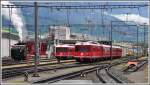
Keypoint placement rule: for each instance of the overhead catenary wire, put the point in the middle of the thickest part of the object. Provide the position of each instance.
(87, 7)
(78, 7)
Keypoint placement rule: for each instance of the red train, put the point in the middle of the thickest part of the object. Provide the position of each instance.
(81, 51)
(64, 51)
(93, 51)
(26, 50)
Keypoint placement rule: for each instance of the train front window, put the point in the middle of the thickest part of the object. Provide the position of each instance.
(82, 49)
(61, 49)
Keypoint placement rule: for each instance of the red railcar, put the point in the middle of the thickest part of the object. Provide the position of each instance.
(93, 51)
(42, 48)
(65, 51)
(116, 51)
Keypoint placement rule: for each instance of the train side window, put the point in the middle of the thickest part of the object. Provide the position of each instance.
(82, 49)
(61, 49)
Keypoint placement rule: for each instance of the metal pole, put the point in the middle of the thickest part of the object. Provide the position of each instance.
(144, 40)
(10, 10)
(36, 41)
(137, 40)
(111, 41)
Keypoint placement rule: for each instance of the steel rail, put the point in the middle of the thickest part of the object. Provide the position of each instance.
(77, 73)
(134, 68)
(113, 76)
(71, 75)
(16, 72)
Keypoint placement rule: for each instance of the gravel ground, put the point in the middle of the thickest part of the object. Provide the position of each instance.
(120, 75)
(89, 77)
(140, 76)
(43, 75)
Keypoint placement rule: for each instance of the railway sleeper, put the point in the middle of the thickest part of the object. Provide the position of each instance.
(113, 76)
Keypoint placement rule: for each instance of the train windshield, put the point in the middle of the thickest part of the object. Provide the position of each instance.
(82, 49)
(61, 49)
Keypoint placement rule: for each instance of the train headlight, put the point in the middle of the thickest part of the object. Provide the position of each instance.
(61, 53)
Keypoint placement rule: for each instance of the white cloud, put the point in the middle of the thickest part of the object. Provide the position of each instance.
(16, 19)
(131, 17)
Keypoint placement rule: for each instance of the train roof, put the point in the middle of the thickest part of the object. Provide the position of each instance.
(116, 46)
(106, 45)
(112, 46)
(88, 43)
(17, 45)
(65, 45)
(95, 43)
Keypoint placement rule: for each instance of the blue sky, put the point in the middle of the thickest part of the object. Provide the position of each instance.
(49, 16)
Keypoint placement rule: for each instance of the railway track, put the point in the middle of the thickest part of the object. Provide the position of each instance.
(16, 72)
(12, 72)
(96, 69)
(72, 75)
(8, 62)
(106, 67)
(133, 68)
(31, 65)
(105, 76)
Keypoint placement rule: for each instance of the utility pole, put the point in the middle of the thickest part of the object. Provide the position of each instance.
(137, 40)
(10, 11)
(145, 39)
(111, 40)
(36, 41)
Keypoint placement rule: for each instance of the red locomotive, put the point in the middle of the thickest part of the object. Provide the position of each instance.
(64, 51)
(93, 51)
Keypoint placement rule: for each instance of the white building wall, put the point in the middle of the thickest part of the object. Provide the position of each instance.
(62, 32)
(5, 46)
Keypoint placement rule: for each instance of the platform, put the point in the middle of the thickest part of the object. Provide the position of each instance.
(32, 64)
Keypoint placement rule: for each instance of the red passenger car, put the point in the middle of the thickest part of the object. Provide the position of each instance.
(116, 51)
(93, 51)
(42, 48)
(65, 51)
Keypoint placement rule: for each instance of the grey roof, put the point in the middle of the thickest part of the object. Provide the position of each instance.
(12, 36)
